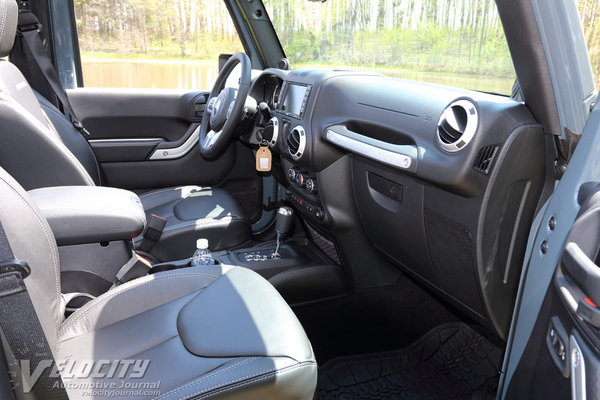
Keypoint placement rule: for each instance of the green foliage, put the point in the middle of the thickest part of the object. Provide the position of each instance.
(460, 37)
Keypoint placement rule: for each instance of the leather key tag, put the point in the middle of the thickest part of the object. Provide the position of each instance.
(263, 159)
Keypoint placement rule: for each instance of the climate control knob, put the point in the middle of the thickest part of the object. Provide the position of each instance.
(300, 179)
(311, 185)
(292, 172)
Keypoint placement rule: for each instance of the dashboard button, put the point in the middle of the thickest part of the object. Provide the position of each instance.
(311, 185)
(319, 214)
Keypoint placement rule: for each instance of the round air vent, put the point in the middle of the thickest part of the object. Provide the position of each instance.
(271, 131)
(296, 142)
(457, 125)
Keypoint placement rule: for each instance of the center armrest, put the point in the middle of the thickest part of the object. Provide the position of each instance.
(90, 214)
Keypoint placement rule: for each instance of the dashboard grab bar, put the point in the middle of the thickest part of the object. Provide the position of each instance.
(399, 156)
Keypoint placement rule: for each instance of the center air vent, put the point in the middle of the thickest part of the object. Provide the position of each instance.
(457, 125)
(296, 142)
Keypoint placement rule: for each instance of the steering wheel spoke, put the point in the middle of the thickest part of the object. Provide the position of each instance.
(211, 138)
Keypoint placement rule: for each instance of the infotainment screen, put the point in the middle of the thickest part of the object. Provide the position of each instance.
(294, 98)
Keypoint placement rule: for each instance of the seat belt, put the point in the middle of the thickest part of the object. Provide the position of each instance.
(21, 326)
(136, 267)
(30, 39)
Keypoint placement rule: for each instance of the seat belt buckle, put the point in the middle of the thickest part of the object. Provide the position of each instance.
(152, 233)
(155, 228)
(15, 266)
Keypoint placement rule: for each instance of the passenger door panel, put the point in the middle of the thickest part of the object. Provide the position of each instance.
(562, 357)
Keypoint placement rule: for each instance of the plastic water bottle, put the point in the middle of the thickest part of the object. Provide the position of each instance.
(202, 255)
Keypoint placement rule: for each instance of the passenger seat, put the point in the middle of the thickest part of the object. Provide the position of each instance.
(206, 332)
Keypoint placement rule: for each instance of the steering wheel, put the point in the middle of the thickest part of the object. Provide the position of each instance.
(224, 108)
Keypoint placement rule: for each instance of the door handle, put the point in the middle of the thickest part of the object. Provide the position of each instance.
(583, 270)
(586, 275)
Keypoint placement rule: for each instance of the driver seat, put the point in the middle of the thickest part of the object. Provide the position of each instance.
(39, 147)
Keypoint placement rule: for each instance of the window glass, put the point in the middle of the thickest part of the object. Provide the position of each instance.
(589, 11)
(153, 43)
(454, 42)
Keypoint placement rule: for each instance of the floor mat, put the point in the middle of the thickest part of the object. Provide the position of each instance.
(451, 361)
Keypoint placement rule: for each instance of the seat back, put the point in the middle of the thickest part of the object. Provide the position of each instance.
(31, 150)
(31, 239)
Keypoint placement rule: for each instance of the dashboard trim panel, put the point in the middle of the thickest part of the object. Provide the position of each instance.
(399, 156)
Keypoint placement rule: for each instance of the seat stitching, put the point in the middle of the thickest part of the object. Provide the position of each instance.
(269, 373)
(206, 377)
(52, 245)
(101, 300)
(3, 20)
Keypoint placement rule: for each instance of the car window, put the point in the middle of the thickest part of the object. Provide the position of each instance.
(453, 42)
(589, 11)
(153, 43)
(456, 42)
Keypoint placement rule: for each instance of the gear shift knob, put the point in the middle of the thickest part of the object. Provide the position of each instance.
(285, 216)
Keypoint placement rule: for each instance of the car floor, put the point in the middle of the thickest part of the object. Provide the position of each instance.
(399, 342)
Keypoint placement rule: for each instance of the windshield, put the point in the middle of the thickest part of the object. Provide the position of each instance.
(453, 42)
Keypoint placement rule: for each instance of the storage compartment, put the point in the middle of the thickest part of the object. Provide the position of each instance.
(391, 211)
(469, 248)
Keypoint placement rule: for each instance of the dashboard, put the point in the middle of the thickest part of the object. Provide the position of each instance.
(442, 182)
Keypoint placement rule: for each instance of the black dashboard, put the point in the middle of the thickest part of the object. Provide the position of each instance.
(443, 182)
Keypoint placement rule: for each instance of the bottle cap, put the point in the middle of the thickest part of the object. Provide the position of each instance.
(202, 244)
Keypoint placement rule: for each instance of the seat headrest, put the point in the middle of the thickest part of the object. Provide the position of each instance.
(9, 14)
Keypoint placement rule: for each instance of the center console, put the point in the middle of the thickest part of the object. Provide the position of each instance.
(93, 227)
(301, 273)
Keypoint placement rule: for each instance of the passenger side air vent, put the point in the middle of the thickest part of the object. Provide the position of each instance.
(296, 142)
(457, 125)
(484, 159)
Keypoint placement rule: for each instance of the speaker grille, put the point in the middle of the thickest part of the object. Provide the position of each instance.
(451, 250)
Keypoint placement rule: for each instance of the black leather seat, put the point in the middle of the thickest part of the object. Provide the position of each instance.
(205, 332)
(194, 212)
(49, 151)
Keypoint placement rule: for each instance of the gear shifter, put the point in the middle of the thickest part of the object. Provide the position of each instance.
(285, 216)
